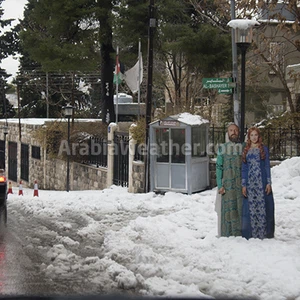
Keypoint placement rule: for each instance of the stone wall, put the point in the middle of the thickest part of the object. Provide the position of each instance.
(55, 175)
(24, 135)
(50, 174)
(86, 177)
(36, 170)
(82, 177)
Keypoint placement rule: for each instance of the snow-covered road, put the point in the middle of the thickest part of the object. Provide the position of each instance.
(159, 245)
(66, 246)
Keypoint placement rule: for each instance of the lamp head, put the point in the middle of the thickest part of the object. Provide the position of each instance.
(5, 129)
(243, 30)
(68, 110)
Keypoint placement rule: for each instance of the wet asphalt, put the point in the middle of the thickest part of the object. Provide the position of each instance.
(18, 274)
(23, 244)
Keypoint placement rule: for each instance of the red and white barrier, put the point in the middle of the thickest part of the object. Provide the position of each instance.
(20, 188)
(9, 191)
(36, 189)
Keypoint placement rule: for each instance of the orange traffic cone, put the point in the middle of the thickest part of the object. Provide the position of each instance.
(9, 188)
(20, 188)
(36, 190)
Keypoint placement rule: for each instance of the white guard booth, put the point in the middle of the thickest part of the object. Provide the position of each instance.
(178, 158)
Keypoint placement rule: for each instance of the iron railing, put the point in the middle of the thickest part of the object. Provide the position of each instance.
(121, 159)
(283, 143)
(97, 152)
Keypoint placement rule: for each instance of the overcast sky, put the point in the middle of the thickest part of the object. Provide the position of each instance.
(12, 9)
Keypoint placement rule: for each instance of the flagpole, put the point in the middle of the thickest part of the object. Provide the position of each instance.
(117, 84)
(139, 81)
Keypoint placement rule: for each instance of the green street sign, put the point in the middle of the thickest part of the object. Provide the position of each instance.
(217, 83)
(225, 91)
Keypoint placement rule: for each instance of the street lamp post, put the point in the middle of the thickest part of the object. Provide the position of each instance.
(5, 131)
(68, 112)
(243, 47)
(243, 39)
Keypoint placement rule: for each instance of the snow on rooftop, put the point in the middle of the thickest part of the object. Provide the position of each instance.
(190, 119)
(42, 121)
(242, 23)
(293, 66)
(275, 21)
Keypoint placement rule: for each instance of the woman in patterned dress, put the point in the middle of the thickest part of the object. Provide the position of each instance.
(258, 202)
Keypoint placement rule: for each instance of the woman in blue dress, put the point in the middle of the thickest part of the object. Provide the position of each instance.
(258, 202)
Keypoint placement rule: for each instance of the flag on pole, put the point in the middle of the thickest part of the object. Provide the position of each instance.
(118, 75)
(134, 76)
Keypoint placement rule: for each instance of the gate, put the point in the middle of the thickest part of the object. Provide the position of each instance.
(2, 154)
(121, 158)
(25, 162)
(12, 161)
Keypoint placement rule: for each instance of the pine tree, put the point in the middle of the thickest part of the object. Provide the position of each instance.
(8, 47)
(65, 37)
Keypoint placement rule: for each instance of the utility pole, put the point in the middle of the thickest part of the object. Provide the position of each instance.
(151, 28)
(236, 102)
(47, 94)
(19, 110)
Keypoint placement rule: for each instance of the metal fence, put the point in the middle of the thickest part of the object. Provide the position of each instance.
(121, 159)
(283, 143)
(97, 152)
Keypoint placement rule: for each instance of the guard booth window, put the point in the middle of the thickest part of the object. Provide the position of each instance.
(199, 141)
(162, 144)
(178, 146)
(163, 138)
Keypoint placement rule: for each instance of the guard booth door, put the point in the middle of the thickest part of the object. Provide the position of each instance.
(170, 163)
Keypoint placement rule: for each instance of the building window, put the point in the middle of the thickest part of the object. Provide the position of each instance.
(36, 152)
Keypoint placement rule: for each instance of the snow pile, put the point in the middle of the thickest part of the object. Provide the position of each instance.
(166, 245)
